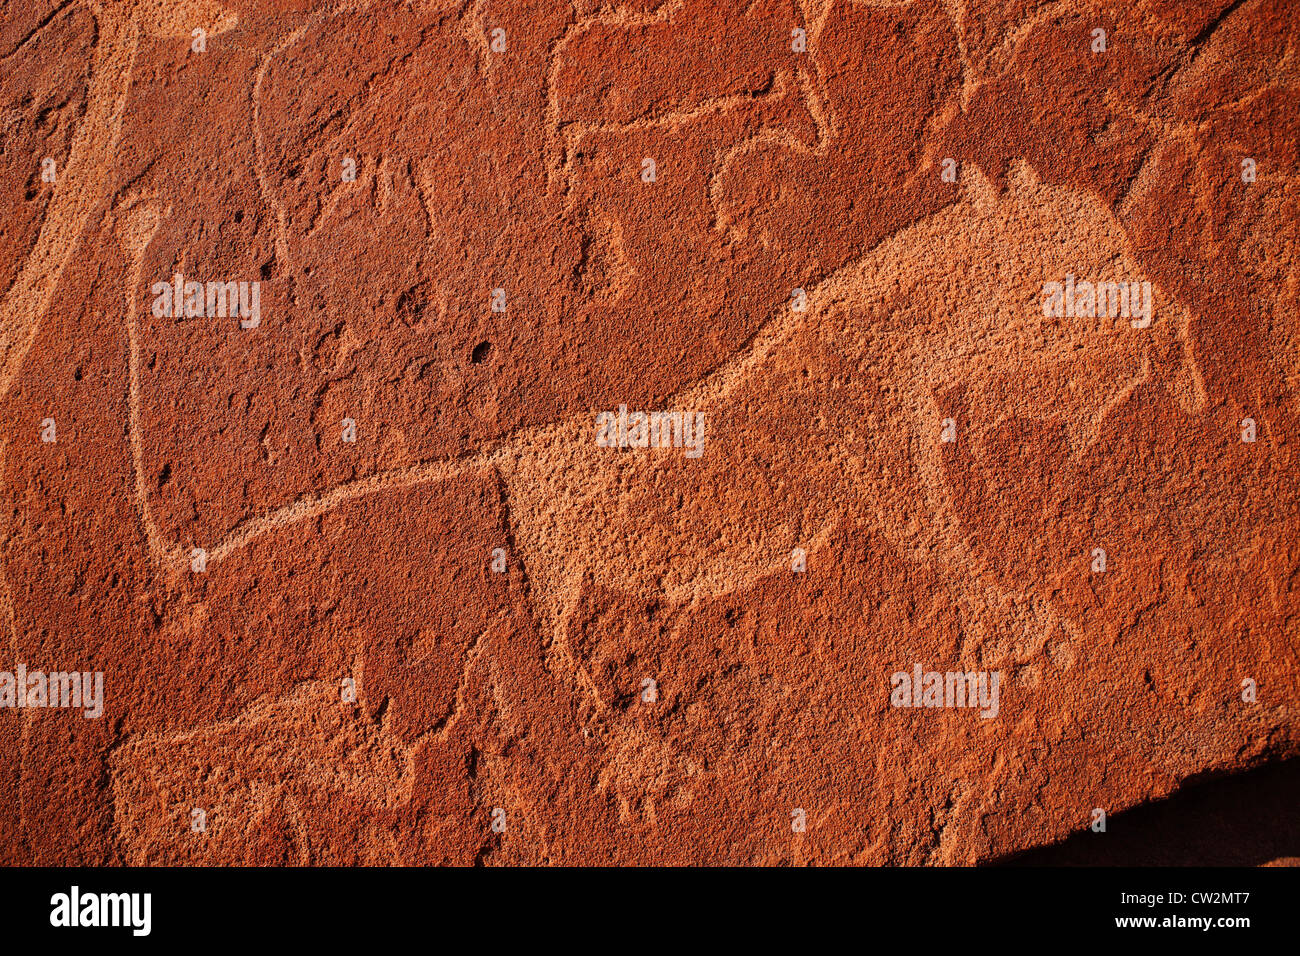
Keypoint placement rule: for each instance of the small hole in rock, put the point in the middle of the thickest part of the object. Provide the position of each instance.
(480, 352)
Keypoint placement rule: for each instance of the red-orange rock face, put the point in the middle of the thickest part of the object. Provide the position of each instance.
(812, 431)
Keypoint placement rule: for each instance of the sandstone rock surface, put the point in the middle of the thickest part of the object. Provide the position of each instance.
(366, 585)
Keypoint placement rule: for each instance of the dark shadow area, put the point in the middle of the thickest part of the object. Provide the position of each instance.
(1246, 819)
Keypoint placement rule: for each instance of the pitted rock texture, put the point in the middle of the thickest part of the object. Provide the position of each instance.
(364, 581)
